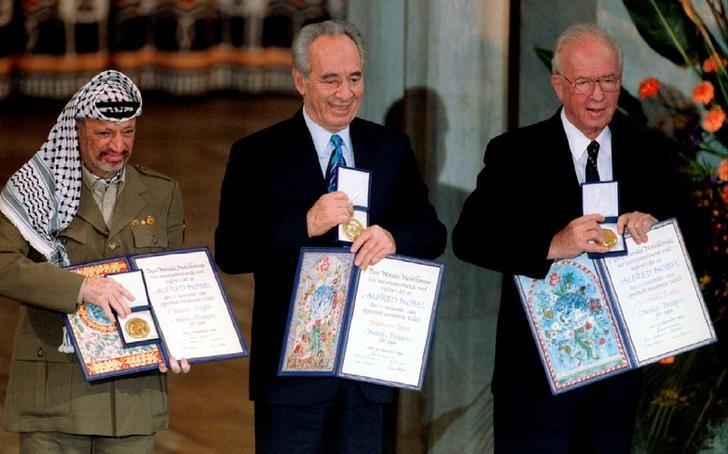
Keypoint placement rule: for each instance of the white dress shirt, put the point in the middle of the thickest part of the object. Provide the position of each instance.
(324, 147)
(578, 143)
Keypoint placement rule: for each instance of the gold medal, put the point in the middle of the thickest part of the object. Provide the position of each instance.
(610, 239)
(150, 220)
(137, 328)
(353, 229)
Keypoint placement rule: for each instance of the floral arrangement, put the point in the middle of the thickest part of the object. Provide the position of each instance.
(685, 401)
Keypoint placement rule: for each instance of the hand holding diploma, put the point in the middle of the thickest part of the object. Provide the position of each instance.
(372, 245)
(107, 294)
(177, 366)
(637, 224)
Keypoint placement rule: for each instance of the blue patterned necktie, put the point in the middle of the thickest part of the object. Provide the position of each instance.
(335, 161)
(592, 173)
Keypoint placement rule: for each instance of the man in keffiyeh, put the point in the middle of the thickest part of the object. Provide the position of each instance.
(77, 200)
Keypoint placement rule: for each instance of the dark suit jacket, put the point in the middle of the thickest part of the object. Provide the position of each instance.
(273, 178)
(526, 193)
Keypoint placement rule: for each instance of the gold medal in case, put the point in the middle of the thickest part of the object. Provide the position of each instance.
(137, 328)
(353, 229)
(610, 239)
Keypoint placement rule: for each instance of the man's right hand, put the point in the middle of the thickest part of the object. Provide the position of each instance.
(330, 210)
(578, 237)
(107, 294)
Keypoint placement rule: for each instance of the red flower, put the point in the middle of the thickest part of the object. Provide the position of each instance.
(714, 119)
(587, 326)
(602, 341)
(710, 65)
(723, 170)
(703, 92)
(649, 87)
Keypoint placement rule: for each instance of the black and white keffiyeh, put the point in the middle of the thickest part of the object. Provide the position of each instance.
(42, 197)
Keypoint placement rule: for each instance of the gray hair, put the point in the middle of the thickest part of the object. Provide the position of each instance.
(308, 34)
(579, 31)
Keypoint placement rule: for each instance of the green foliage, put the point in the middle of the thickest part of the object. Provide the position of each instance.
(545, 56)
(665, 28)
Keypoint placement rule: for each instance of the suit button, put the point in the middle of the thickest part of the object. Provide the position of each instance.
(113, 245)
(39, 352)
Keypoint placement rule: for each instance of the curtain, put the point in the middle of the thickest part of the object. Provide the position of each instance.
(48, 48)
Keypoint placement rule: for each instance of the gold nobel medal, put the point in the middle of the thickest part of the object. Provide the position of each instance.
(150, 220)
(353, 229)
(137, 328)
(610, 239)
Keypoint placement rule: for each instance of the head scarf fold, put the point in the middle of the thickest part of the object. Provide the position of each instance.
(42, 197)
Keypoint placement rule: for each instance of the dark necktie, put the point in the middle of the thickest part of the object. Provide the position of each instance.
(335, 161)
(592, 172)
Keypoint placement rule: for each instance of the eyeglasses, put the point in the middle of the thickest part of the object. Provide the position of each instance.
(586, 86)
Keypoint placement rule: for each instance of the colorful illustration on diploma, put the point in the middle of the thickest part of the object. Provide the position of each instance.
(574, 325)
(97, 337)
(318, 311)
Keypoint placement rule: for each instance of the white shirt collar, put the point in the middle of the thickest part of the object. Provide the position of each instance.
(321, 136)
(578, 141)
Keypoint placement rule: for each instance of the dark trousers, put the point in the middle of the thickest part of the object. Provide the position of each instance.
(351, 424)
(598, 418)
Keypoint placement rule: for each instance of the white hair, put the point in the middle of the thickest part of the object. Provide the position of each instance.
(580, 31)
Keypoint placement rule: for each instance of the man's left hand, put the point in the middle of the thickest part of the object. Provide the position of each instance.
(176, 366)
(638, 224)
(372, 245)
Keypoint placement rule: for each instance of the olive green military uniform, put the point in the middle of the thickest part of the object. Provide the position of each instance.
(47, 391)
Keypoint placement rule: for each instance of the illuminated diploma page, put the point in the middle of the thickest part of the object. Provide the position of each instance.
(391, 322)
(658, 297)
(191, 308)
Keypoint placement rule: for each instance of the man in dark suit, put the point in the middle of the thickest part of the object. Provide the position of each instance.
(275, 199)
(526, 211)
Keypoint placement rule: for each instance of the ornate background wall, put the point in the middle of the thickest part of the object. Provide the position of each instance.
(183, 47)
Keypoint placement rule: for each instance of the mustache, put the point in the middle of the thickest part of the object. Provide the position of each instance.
(107, 151)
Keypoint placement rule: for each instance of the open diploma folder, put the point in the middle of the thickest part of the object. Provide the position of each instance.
(593, 319)
(374, 325)
(180, 309)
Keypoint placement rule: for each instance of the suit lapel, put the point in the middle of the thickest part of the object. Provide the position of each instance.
(561, 165)
(365, 150)
(130, 201)
(301, 159)
(618, 147)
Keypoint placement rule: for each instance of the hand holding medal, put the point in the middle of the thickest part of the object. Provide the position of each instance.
(610, 239)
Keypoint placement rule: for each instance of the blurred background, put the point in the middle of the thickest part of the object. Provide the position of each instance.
(450, 73)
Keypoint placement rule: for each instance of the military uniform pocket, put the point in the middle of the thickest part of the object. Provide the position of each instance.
(42, 388)
(74, 233)
(149, 238)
